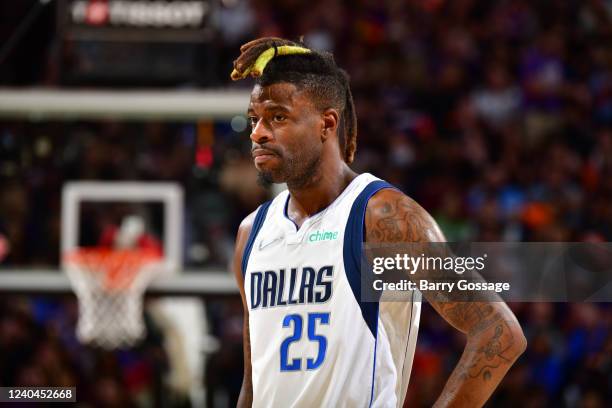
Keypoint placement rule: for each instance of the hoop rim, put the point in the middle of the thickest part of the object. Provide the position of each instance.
(119, 267)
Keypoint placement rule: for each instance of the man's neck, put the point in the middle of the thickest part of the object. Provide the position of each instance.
(325, 187)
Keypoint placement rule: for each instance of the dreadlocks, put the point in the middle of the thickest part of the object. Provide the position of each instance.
(271, 60)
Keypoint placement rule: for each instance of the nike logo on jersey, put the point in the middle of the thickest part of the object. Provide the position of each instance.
(264, 244)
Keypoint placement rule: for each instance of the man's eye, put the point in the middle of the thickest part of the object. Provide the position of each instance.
(279, 118)
(252, 121)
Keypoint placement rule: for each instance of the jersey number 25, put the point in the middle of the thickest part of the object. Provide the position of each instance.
(298, 324)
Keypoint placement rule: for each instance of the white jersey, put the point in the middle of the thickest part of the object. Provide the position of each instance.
(314, 343)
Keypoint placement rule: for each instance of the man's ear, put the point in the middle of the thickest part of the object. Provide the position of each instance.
(329, 123)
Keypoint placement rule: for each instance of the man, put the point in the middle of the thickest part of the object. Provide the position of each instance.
(309, 339)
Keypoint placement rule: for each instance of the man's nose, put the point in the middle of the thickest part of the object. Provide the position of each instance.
(261, 133)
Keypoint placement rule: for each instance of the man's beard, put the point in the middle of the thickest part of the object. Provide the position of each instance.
(294, 173)
(264, 179)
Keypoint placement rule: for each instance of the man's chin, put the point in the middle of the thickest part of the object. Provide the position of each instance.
(266, 179)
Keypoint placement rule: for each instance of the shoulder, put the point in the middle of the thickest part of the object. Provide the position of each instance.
(247, 224)
(244, 230)
(392, 216)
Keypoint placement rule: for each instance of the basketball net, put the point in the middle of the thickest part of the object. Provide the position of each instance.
(109, 283)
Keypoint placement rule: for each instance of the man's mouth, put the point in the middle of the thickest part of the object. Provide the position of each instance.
(262, 155)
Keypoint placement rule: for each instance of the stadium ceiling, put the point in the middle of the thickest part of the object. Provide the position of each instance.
(39, 104)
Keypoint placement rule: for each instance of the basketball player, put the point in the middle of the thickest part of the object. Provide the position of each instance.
(309, 340)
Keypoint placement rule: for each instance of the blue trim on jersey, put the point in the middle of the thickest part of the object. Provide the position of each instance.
(409, 330)
(352, 251)
(374, 366)
(257, 224)
(286, 213)
(353, 255)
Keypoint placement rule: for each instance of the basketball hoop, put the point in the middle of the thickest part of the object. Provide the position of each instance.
(109, 284)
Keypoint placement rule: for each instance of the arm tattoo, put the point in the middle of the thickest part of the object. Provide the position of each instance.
(493, 354)
(397, 220)
(471, 317)
(493, 340)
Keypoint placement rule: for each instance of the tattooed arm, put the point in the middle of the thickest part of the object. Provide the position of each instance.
(246, 392)
(494, 337)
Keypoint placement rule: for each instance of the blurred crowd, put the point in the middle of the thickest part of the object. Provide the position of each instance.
(496, 116)
(39, 348)
(568, 362)
(219, 181)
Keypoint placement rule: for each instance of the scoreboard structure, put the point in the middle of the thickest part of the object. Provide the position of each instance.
(135, 42)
